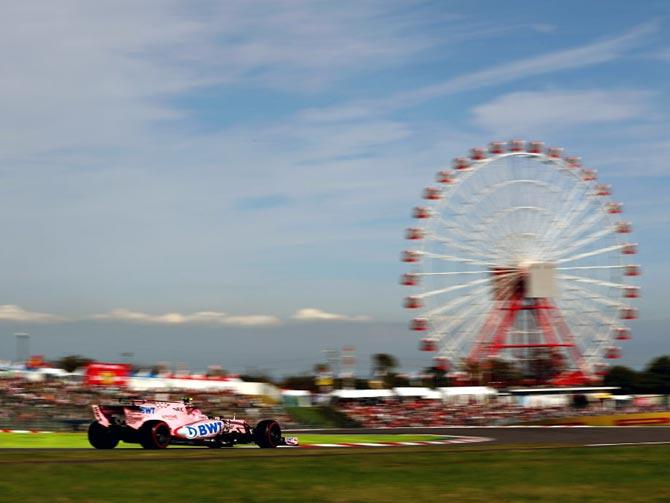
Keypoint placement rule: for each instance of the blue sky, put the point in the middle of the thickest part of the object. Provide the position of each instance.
(198, 175)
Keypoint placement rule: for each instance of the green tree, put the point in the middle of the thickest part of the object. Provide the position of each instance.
(502, 373)
(383, 366)
(474, 370)
(657, 375)
(70, 363)
(435, 378)
(544, 365)
(304, 381)
(625, 378)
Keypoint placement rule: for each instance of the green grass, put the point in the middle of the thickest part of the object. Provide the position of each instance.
(79, 440)
(631, 474)
(321, 417)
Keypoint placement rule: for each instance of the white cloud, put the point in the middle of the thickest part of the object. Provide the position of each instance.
(12, 312)
(313, 314)
(98, 77)
(252, 320)
(537, 112)
(198, 318)
(595, 53)
(663, 55)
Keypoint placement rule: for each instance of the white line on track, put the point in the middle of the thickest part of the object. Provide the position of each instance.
(457, 440)
(626, 443)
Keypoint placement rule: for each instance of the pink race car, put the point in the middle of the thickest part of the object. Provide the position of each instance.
(155, 425)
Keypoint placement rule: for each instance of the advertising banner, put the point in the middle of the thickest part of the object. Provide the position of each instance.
(107, 374)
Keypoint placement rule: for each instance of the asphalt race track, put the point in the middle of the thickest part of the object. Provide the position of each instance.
(496, 438)
(537, 435)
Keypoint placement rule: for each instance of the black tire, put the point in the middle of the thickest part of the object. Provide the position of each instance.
(154, 435)
(267, 434)
(101, 437)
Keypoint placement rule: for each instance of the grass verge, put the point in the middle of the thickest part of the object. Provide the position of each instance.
(632, 474)
(79, 440)
(321, 417)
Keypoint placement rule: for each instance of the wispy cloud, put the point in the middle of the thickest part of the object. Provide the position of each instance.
(197, 318)
(540, 112)
(313, 314)
(591, 54)
(66, 66)
(12, 312)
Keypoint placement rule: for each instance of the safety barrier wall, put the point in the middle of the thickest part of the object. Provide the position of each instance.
(632, 419)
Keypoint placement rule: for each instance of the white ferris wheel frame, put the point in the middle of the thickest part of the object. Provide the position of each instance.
(473, 227)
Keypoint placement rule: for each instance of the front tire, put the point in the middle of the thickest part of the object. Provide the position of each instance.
(101, 437)
(154, 435)
(267, 434)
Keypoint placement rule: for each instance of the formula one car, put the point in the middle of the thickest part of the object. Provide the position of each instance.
(156, 424)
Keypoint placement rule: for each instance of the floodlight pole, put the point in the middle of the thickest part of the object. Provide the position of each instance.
(22, 346)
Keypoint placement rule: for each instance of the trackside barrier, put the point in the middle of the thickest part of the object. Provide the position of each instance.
(632, 419)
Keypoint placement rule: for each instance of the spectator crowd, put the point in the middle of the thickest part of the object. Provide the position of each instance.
(55, 404)
(396, 412)
(58, 404)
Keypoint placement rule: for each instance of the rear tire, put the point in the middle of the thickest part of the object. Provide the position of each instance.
(267, 434)
(154, 435)
(101, 437)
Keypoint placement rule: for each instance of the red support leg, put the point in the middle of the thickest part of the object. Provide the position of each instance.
(483, 339)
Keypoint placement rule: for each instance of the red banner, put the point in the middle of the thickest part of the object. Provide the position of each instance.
(107, 374)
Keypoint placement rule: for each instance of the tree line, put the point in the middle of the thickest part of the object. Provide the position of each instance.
(653, 379)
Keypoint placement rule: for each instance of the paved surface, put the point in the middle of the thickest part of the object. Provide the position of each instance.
(497, 438)
(540, 435)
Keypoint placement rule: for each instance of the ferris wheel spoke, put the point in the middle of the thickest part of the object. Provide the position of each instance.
(591, 340)
(458, 315)
(453, 288)
(455, 230)
(586, 294)
(490, 196)
(586, 241)
(583, 226)
(565, 213)
(456, 273)
(572, 242)
(463, 299)
(442, 330)
(454, 258)
(588, 326)
(457, 343)
(459, 246)
(496, 220)
(591, 332)
(586, 267)
(447, 329)
(581, 279)
(589, 306)
(592, 253)
(596, 326)
(571, 215)
(468, 248)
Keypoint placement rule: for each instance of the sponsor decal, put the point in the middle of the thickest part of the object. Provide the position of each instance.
(106, 374)
(641, 421)
(202, 430)
(148, 410)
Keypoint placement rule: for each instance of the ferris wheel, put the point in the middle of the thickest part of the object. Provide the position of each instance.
(520, 249)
